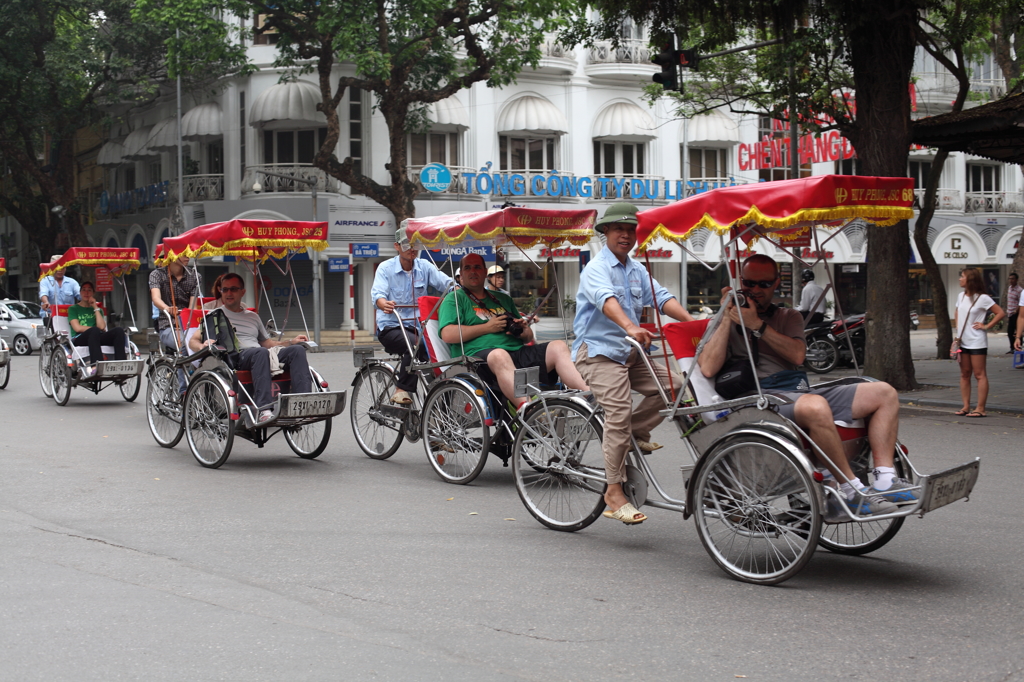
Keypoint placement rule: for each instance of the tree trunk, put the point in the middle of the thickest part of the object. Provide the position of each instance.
(882, 55)
(944, 338)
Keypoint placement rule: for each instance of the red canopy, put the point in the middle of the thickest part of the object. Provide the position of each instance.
(120, 261)
(253, 239)
(521, 226)
(3, 265)
(786, 208)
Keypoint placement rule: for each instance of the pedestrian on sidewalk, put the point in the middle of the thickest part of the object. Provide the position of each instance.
(1013, 291)
(972, 307)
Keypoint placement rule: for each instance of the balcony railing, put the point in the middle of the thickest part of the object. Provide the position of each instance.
(628, 52)
(199, 188)
(947, 200)
(994, 202)
(550, 48)
(270, 183)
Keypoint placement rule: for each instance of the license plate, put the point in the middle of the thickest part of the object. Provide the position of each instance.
(313, 406)
(115, 368)
(950, 486)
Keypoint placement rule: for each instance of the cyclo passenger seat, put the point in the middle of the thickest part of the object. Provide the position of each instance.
(62, 326)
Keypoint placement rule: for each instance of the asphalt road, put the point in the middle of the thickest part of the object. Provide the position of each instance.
(124, 561)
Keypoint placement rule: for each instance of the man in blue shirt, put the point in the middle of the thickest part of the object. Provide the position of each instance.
(400, 282)
(614, 289)
(56, 289)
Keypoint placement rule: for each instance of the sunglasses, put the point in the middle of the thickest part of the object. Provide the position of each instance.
(231, 289)
(763, 283)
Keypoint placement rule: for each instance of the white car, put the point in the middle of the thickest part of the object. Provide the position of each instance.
(20, 320)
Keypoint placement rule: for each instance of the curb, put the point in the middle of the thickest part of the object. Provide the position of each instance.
(956, 404)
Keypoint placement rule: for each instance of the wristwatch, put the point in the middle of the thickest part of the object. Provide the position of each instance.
(759, 332)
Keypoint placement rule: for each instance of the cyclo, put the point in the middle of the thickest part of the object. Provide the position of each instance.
(63, 365)
(758, 501)
(5, 352)
(218, 404)
(460, 416)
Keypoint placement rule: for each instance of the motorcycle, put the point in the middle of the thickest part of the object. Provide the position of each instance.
(827, 345)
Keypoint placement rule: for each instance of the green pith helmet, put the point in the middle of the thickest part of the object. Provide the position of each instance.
(622, 212)
(401, 237)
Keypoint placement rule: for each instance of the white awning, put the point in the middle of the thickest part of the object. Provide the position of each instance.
(164, 137)
(202, 123)
(714, 127)
(111, 154)
(624, 121)
(135, 144)
(448, 115)
(532, 115)
(289, 105)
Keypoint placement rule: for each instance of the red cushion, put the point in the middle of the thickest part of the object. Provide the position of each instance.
(245, 376)
(191, 317)
(684, 337)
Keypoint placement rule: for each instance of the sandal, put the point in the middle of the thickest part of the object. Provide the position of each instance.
(627, 513)
(975, 415)
(962, 413)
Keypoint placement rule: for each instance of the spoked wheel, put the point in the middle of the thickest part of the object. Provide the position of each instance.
(822, 356)
(60, 376)
(208, 424)
(310, 440)
(44, 369)
(455, 433)
(558, 465)
(130, 388)
(163, 404)
(861, 538)
(5, 375)
(378, 434)
(756, 511)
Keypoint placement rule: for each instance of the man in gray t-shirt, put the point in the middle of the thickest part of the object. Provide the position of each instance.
(256, 344)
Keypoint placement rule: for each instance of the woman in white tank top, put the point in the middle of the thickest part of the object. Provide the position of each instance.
(972, 308)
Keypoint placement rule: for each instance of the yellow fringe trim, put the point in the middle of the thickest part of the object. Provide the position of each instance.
(236, 247)
(122, 267)
(576, 236)
(466, 234)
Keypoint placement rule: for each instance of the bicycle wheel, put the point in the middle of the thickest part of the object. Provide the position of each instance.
(309, 441)
(130, 388)
(825, 356)
(163, 404)
(208, 424)
(558, 465)
(377, 433)
(856, 538)
(60, 376)
(455, 433)
(745, 512)
(5, 375)
(44, 369)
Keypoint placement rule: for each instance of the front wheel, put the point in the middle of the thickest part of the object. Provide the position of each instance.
(163, 404)
(44, 369)
(822, 356)
(558, 464)
(60, 376)
(21, 345)
(756, 511)
(455, 432)
(208, 424)
(309, 441)
(130, 388)
(5, 375)
(376, 421)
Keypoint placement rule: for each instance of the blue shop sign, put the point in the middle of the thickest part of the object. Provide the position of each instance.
(365, 250)
(435, 177)
(457, 253)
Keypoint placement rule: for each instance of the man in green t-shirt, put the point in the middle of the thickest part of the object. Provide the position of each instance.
(475, 321)
(89, 327)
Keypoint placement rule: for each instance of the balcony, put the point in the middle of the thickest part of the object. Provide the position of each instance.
(270, 184)
(948, 200)
(994, 202)
(556, 59)
(199, 188)
(630, 61)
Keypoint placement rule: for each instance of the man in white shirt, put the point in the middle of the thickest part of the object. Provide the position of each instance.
(256, 344)
(812, 293)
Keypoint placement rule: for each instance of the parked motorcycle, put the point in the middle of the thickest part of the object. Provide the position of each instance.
(827, 346)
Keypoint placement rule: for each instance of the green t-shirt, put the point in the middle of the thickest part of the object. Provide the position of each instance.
(85, 315)
(470, 313)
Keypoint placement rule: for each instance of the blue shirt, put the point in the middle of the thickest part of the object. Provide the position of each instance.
(65, 293)
(393, 283)
(630, 284)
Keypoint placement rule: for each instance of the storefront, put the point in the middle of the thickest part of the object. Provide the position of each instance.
(532, 275)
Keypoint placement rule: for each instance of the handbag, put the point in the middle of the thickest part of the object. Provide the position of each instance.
(954, 350)
(735, 379)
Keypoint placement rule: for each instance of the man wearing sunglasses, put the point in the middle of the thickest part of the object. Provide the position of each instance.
(776, 339)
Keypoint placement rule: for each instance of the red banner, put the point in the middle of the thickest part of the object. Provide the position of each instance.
(120, 261)
(251, 239)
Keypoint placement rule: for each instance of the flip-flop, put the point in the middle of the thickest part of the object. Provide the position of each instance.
(975, 415)
(961, 413)
(627, 513)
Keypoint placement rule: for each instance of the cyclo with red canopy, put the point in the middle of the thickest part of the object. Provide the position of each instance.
(5, 352)
(218, 404)
(460, 416)
(760, 506)
(63, 365)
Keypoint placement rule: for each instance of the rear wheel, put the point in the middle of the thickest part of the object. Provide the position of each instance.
(208, 424)
(455, 432)
(375, 419)
(822, 356)
(163, 404)
(558, 465)
(756, 511)
(60, 376)
(44, 368)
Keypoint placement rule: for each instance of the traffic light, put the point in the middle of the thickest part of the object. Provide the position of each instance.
(668, 60)
(689, 58)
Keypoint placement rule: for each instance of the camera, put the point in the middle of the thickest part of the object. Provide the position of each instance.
(513, 326)
(742, 299)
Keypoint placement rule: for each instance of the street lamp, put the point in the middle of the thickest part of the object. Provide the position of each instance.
(314, 256)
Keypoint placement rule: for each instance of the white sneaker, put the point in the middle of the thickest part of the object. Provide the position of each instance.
(265, 416)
